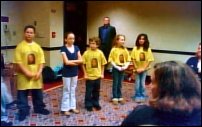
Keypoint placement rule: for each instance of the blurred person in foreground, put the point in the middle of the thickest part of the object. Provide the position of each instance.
(176, 98)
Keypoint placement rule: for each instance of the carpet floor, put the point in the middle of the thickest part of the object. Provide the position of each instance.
(109, 115)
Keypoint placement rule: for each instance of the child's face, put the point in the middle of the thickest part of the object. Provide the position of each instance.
(93, 45)
(121, 41)
(70, 39)
(29, 34)
(199, 50)
(142, 40)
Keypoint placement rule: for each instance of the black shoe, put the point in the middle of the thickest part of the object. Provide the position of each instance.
(89, 109)
(98, 107)
(42, 111)
(23, 114)
(4, 123)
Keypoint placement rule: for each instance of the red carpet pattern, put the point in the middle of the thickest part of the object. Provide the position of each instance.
(109, 115)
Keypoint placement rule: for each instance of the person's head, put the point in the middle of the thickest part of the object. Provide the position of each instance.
(198, 52)
(106, 21)
(142, 41)
(94, 43)
(29, 33)
(175, 87)
(69, 38)
(119, 41)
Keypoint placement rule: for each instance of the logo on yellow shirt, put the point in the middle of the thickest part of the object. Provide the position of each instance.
(31, 59)
(94, 63)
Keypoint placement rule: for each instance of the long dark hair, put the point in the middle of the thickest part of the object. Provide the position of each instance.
(177, 87)
(146, 43)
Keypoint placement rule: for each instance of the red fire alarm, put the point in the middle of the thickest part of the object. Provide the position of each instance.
(53, 34)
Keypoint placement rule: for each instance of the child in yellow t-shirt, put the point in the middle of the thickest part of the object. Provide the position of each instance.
(29, 58)
(120, 59)
(94, 61)
(141, 56)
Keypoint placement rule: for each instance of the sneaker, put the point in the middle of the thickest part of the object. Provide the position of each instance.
(66, 113)
(122, 102)
(22, 117)
(89, 108)
(42, 111)
(142, 100)
(98, 107)
(75, 111)
(137, 100)
(6, 123)
(23, 114)
(115, 102)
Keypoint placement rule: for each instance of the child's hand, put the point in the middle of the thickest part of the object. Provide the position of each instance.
(122, 69)
(37, 76)
(29, 75)
(102, 76)
(118, 68)
(85, 77)
(140, 70)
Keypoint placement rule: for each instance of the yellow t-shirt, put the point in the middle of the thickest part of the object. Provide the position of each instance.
(120, 56)
(30, 56)
(141, 57)
(93, 60)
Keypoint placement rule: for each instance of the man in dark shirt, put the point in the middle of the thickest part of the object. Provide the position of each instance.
(106, 35)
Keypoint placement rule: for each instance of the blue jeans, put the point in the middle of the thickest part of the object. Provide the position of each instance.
(37, 99)
(117, 83)
(140, 85)
(92, 93)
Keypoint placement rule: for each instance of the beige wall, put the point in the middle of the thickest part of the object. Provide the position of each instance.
(13, 36)
(56, 25)
(26, 12)
(170, 25)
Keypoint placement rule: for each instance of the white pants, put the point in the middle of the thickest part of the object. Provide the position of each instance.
(69, 96)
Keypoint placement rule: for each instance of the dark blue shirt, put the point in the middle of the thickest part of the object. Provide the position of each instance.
(193, 62)
(104, 33)
(67, 70)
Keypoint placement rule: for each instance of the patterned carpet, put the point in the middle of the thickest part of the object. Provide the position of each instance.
(110, 115)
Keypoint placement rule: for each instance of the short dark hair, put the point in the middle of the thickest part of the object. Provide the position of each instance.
(96, 39)
(29, 26)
